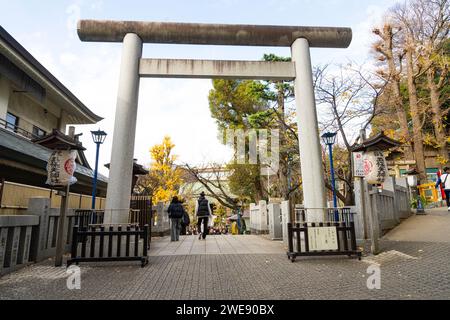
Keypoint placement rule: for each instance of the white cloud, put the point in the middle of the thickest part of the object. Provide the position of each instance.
(97, 5)
(73, 12)
(68, 59)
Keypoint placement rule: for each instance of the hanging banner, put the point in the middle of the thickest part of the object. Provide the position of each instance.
(375, 167)
(358, 164)
(61, 167)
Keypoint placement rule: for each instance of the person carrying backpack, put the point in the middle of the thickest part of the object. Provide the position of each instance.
(203, 211)
(176, 213)
(185, 222)
(444, 179)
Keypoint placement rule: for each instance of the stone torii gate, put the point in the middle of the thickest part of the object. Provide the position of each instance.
(133, 34)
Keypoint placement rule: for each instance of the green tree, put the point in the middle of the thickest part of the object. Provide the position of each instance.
(237, 104)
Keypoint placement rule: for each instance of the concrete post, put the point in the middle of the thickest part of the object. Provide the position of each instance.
(61, 232)
(285, 219)
(275, 227)
(253, 217)
(361, 215)
(308, 133)
(264, 222)
(121, 168)
(39, 207)
(374, 223)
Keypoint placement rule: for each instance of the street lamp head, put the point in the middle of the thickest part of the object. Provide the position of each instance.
(98, 136)
(329, 138)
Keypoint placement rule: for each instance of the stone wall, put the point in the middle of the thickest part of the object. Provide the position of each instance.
(160, 220)
(32, 237)
(259, 219)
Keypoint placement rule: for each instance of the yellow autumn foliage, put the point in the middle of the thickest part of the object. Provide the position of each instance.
(164, 172)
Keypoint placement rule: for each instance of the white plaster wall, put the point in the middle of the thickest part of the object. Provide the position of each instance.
(4, 96)
(31, 113)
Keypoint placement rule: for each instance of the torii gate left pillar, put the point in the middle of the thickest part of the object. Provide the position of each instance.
(133, 34)
(122, 153)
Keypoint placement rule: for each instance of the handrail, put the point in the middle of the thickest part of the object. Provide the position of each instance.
(344, 214)
(16, 129)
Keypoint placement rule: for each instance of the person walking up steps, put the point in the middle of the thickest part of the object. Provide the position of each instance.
(445, 180)
(203, 212)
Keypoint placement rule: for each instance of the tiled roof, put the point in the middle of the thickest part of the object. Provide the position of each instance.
(12, 141)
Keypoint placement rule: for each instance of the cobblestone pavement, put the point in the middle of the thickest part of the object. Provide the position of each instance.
(409, 270)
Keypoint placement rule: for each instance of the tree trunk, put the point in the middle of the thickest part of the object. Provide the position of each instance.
(415, 116)
(437, 118)
(394, 79)
(350, 194)
(259, 194)
(282, 171)
(349, 198)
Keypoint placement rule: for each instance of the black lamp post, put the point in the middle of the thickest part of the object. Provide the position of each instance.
(98, 137)
(329, 138)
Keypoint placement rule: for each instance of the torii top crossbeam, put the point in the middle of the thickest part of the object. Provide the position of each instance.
(133, 34)
(213, 34)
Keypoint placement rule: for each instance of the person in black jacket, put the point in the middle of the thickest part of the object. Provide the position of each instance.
(185, 221)
(203, 212)
(176, 213)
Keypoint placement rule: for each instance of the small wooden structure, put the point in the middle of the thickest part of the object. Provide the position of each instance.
(305, 238)
(132, 234)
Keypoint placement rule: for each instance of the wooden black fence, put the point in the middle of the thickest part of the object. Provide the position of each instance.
(344, 239)
(109, 244)
(141, 212)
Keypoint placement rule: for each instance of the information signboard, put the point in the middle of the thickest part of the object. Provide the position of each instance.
(322, 238)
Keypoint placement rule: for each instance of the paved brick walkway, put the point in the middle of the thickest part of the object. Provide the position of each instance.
(409, 270)
(215, 244)
(434, 226)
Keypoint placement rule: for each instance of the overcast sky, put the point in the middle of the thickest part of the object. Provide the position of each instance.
(179, 108)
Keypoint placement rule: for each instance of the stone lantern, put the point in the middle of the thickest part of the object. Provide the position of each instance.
(412, 178)
(61, 168)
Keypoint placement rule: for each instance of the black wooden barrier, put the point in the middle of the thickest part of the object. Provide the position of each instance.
(81, 235)
(141, 212)
(346, 240)
(141, 218)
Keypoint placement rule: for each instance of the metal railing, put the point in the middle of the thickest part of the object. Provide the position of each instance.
(344, 214)
(84, 218)
(16, 129)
